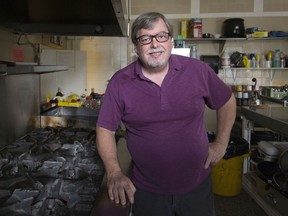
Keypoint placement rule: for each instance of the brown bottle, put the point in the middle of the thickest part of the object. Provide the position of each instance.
(92, 94)
(59, 93)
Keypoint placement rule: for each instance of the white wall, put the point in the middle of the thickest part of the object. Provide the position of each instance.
(71, 81)
(105, 56)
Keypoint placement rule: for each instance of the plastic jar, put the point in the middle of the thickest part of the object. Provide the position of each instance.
(225, 60)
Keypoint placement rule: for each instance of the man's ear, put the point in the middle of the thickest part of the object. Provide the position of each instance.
(135, 50)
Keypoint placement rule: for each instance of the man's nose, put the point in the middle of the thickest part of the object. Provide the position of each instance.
(154, 42)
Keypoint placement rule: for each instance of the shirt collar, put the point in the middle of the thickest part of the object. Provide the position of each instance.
(173, 62)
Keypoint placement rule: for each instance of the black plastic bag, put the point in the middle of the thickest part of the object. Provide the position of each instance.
(236, 59)
(237, 146)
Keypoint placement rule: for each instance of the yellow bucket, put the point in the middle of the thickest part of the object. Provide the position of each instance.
(227, 176)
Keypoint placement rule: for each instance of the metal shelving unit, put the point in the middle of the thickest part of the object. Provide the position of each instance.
(222, 41)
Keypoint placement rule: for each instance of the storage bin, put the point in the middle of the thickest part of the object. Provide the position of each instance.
(227, 176)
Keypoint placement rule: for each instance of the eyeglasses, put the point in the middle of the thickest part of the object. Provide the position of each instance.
(160, 37)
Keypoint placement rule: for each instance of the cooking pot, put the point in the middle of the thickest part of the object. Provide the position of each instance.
(281, 178)
(283, 162)
(280, 181)
(234, 28)
(275, 174)
(266, 170)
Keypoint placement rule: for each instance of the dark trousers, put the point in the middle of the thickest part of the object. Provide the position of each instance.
(199, 202)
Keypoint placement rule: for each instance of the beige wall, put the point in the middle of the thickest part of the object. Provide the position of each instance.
(9, 41)
(270, 15)
(266, 14)
(275, 5)
(162, 6)
(105, 56)
(211, 8)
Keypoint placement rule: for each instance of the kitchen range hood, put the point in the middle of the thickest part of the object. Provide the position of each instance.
(65, 17)
(11, 68)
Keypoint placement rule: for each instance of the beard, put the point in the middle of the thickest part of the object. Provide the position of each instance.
(157, 62)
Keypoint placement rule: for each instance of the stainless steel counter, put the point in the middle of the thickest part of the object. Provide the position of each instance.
(274, 118)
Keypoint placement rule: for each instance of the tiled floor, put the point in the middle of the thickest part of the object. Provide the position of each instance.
(240, 205)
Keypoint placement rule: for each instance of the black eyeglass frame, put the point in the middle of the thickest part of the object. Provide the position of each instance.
(150, 37)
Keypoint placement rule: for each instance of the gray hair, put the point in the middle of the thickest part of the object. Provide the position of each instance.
(146, 21)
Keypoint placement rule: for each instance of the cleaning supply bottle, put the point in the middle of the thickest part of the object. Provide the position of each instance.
(282, 60)
(193, 51)
(262, 61)
(257, 60)
(276, 59)
(269, 59)
(225, 60)
(246, 61)
(253, 62)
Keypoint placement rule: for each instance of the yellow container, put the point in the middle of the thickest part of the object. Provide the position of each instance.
(227, 176)
(184, 26)
(69, 104)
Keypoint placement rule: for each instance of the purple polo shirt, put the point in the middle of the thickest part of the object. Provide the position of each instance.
(166, 135)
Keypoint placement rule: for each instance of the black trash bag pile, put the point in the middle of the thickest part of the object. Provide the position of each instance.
(237, 146)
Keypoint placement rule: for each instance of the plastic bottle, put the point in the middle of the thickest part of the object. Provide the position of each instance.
(253, 62)
(269, 55)
(276, 59)
(246, 61)
(282, 60)
(262, 61)
(257, 60)
(193, 52)
(225, 60)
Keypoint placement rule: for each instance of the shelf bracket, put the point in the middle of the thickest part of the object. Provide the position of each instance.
(271, 75)
(221, 45)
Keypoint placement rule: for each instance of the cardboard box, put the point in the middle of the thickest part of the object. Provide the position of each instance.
(195, 28)
(260, 34)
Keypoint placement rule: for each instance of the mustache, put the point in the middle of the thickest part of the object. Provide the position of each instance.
(155, 50)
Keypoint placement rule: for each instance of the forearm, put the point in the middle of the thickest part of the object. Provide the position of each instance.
(119, 185)
(106, 146)
(225, 120)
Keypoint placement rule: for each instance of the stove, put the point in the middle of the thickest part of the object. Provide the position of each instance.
(50, 171)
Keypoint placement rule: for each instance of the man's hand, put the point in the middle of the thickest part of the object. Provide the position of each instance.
(120, 186)
(215, 153)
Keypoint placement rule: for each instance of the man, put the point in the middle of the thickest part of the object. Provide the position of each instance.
(161, 98)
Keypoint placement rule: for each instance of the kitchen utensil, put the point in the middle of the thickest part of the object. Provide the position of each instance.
(266, 169)
(281, 181)
(206, 35)
(283, 162)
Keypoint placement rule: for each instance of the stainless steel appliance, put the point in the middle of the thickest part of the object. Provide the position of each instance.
(234, 28)
(20, 99)
(43, 170)
(212, 61)
(66, 17)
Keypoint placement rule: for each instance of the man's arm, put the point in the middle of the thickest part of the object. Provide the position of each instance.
(118, 184)
(225, 120)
